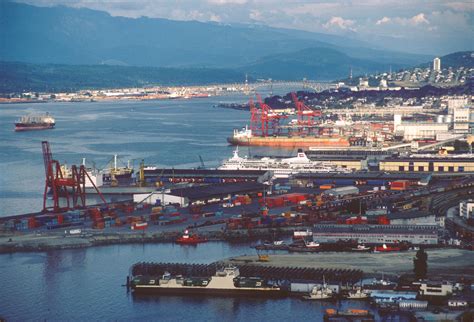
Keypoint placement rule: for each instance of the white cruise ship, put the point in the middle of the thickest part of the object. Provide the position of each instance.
(282, 168)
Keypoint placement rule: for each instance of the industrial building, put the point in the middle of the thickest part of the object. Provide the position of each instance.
(355, 163)
(428, 164)
(377, 234)
(466, 209)
(418, 130)
(461, 118)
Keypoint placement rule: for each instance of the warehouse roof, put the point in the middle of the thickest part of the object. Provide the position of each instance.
(409, 214)
(217, 190)
(422, 159)
(204, 172)
(364, 176)
(377, 229)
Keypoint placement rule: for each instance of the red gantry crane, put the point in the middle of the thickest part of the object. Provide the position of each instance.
(72, 186)
(269, 119)
(305, 114)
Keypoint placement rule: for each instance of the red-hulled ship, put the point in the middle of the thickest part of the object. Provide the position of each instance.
(190, 239)
(35, 122)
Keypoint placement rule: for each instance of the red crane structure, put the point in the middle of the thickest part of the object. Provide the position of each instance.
(264, 119)
(305, 114)
(71, 187)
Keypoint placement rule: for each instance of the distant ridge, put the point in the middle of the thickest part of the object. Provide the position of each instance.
(25, 77)
(64, 35)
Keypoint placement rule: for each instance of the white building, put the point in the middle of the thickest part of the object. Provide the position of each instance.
(413, 131)
(455, 102)
(165, 199)
(466, 209)
(461, 116)
(363, 82)
(436, 64)
(436, 289)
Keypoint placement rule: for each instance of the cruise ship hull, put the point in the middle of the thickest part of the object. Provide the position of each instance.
(290, 142)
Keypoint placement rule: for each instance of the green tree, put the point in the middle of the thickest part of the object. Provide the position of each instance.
(421, 264)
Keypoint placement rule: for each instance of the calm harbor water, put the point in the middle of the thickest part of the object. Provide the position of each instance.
(85, 284)
(170, 133)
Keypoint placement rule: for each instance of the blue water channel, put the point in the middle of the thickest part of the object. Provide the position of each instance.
(86, 284)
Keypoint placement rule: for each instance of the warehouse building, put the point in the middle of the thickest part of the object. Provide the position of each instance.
(377, 234)
(354, 163)
(428, 164)
(155, 175)
(358, 178)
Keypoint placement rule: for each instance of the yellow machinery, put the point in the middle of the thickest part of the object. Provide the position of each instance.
(263, 257)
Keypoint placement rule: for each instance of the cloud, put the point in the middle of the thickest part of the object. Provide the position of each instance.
(341, 23)
(255, 15)
(419, 19)
(383, 20)
(225, 2)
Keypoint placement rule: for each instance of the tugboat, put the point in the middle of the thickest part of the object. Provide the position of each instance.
(358, 294)
(190, 239)
(387, 248)
(320, 292)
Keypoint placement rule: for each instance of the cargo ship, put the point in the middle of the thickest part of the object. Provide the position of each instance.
(226, 281)
(245, 137)
(35, 122)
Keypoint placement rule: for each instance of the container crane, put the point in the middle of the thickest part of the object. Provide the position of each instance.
(305, 114)
(62, 186)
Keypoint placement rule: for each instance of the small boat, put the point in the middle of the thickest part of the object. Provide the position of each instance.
(190, 239)
(320, 292)
(306, 247)
(302, 234)
(348, 315)
(358, 294)
(361, 248)
(275, 245)
(381, 284)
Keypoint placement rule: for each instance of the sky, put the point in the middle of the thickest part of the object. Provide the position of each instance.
(419, 26)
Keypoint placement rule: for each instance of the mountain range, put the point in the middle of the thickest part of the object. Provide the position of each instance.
(69, 36)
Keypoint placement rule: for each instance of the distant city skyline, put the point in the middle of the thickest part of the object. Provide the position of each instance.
(420, 26)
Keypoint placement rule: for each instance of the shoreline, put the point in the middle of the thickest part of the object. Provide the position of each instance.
(40, 242)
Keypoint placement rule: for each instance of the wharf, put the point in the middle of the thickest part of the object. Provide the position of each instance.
(373, 264)
(289, 273)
